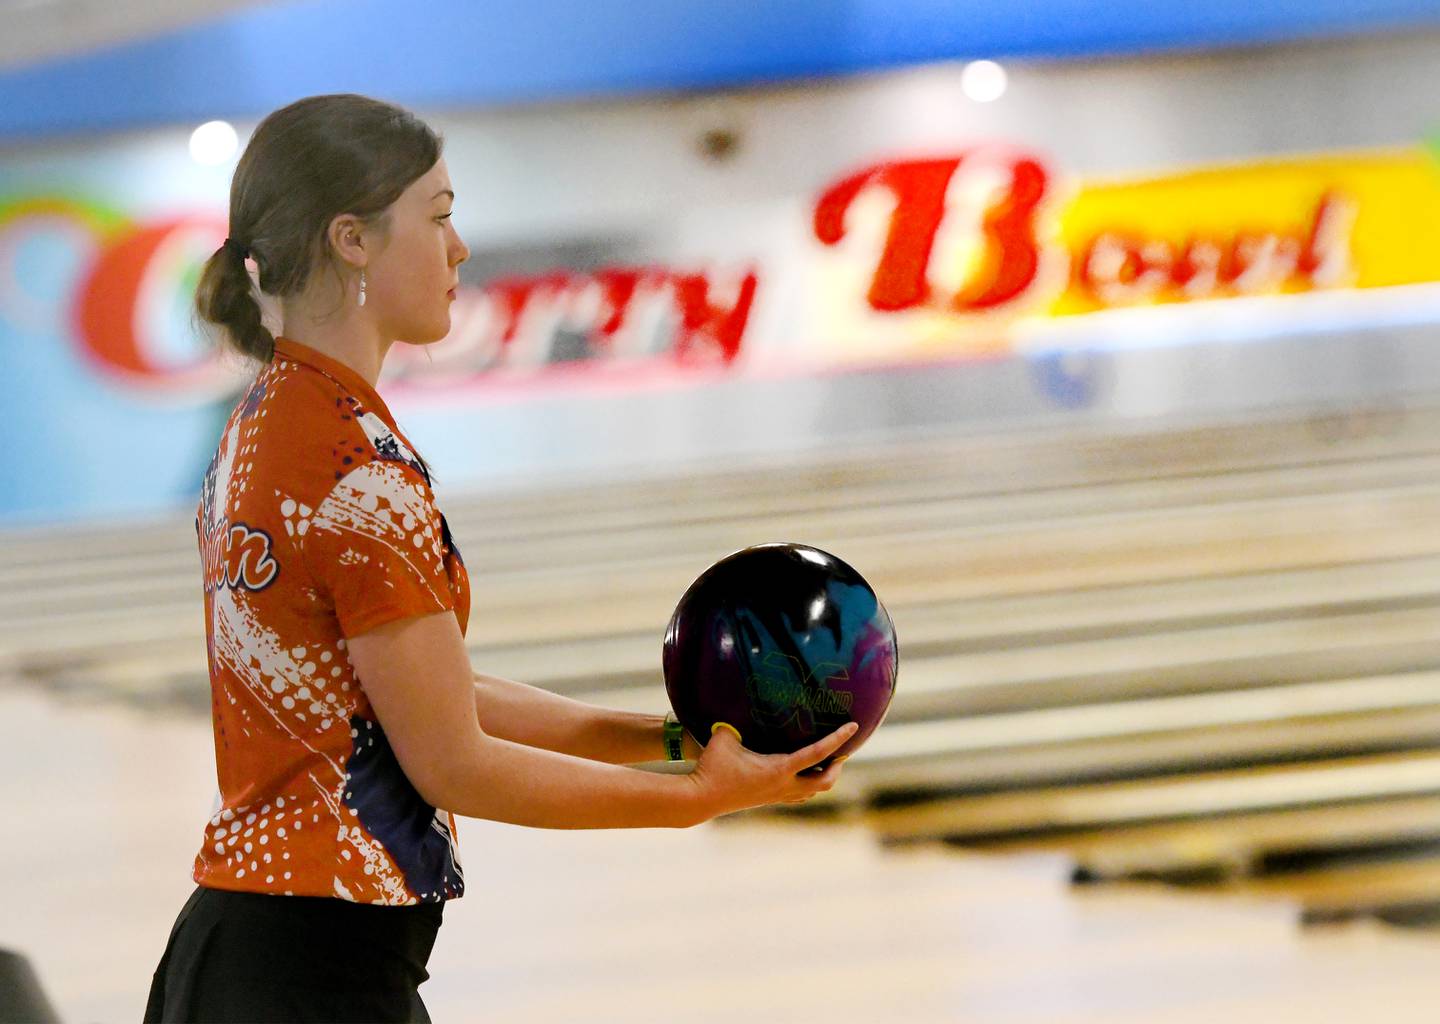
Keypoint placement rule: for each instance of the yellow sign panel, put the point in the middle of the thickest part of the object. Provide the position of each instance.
(1365, 221)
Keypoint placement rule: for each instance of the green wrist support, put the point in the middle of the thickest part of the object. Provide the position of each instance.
(674, 738)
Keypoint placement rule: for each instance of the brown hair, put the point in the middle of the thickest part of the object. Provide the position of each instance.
(306, 164)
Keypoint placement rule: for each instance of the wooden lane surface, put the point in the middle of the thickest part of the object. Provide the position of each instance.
(1218, 658)
(901, 515)
(927, 953)
(632, 658)
(989, 622)
(1351, 888)
(1234, 843)
(1134, 753)
(1161, 546)
(66, 573)
(1001, 560)
(1059, 809)
(926, 958)
(1147, 736)
(1190, 661)
(1003, 463)
(903, 979)
(73, 570)
(1129, 738)
(937, 731)
(732, 918)
(1053, 727)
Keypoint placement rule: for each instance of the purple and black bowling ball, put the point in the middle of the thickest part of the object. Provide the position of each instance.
(785, 643)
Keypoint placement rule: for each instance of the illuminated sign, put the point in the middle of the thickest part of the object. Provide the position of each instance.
(994, 225)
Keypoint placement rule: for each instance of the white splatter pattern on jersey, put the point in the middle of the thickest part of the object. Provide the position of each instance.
(377, 860)
(382, 501)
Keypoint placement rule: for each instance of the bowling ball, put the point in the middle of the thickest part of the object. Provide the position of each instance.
(785, 643)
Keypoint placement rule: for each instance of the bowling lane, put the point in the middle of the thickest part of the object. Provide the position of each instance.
(737, 918)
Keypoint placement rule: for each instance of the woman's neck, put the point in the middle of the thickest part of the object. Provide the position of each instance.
(351, 340)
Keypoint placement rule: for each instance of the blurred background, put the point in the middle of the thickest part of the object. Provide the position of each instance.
(1104, 341)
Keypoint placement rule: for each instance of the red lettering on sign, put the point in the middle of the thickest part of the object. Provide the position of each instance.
(619, 287)
(1011, 250)
(1122, 268)
(612, 314)
(710, 325)
(919, 188)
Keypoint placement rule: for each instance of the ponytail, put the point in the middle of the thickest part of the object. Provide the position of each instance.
(226, 297)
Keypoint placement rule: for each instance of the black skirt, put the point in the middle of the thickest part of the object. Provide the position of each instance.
(236, 956)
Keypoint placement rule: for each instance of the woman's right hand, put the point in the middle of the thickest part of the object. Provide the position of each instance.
(732, 778)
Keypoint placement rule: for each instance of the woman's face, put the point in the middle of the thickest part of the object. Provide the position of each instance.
(411, 279)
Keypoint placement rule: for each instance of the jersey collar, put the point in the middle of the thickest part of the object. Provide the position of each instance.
(345, 376)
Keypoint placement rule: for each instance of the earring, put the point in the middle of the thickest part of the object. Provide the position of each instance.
(362, 287)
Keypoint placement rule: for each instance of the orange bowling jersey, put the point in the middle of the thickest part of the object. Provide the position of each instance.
(316, 523)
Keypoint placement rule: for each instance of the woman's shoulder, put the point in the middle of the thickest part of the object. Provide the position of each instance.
(310, 433)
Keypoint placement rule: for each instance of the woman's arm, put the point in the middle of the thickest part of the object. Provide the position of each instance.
(538, 718)
(417, 676)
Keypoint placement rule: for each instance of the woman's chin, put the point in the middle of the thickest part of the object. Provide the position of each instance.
(429, 335)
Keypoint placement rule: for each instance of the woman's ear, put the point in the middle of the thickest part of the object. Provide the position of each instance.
(346, 236)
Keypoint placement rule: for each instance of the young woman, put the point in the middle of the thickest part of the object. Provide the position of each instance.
(349, 726)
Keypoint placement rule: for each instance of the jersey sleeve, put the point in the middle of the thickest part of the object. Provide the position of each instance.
(374, 544)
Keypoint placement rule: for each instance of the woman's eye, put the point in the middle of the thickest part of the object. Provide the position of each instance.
(445, 217)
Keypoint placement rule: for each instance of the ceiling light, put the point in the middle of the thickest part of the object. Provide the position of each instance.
(213, 143)
(983, 81)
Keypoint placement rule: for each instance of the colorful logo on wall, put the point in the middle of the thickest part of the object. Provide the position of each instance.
(117, 290)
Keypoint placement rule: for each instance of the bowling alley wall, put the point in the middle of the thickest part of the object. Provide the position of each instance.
(696, 280)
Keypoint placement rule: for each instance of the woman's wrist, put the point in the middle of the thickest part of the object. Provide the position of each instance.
(692, 749)
(676, 742)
